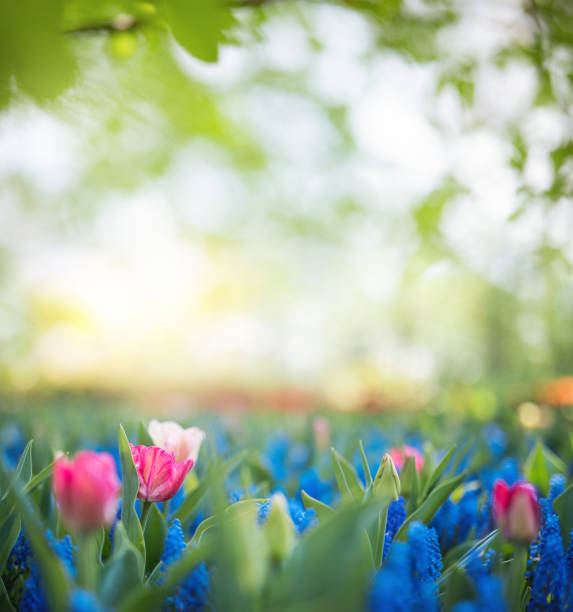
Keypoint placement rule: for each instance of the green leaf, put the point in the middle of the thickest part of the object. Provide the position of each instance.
(54, 575)
(23, 470)
(154, 535)
(428, 508)
(563, 506)
(343, 486)
(229, 514)
(5, 603)
(346, 475)
(215, 473)
(483, 544)
(130, 488)
(124, 569)
(410, 483)
(279, 529)
(145, 597)
(437, 473)
(143, 436)
(317, 576)
(322, 510)
(365, 465)
(39, 478)
(459, 587)
(9, 532)
(540, 465)
(198, 25)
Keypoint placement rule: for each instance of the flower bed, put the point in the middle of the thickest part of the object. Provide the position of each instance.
(267, 514)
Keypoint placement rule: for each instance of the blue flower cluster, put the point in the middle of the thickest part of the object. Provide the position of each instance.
(192, 593)
(413, 567)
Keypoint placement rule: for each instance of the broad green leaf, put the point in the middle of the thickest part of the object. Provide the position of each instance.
(365, 465)
(124, 569)
(229, 514)
(199, 25)
(54, 575)
(143, 436)
(410, 484)
(23, 471)
(130, 487)
(459, 587)
(5, 603)
(317, 576)
(322, 510)
(350, 476)
(150, 599)
(39, 478)
(540, 465)
(279, 530)
(9, 532)
(437, 473)
(563, 506)
(154, 535)
(215, 473)
(343, 487)
(480, 546)
(428, 508)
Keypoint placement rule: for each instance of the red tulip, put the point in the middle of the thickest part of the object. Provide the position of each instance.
(86, 489)
(516, 511)
(160, 476)
(400, 454)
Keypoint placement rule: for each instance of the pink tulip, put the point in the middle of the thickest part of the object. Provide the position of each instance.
(170, 436)
(516, 510)
(160, 476)
(400, 454)
(86, 489)
(321, 432)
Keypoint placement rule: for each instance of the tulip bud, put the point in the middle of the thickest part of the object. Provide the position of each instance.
(170, 436)
(516, 511)
(387, 481)
(399, 456)
(280, 528)
(86, 489)
(160, 476)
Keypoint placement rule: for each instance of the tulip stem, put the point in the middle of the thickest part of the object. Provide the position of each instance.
(88, 560)
(515, 583)
(144, 513)
(166, 509)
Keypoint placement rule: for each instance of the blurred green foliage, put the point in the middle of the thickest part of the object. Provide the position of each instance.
(112, 72)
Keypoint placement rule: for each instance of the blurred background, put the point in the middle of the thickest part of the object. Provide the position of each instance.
(360, 204)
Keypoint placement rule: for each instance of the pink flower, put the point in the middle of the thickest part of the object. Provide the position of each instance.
(170, 436)
(321, 432)
(516, 510)
(86, 489)
(400, 454)
(160, 476)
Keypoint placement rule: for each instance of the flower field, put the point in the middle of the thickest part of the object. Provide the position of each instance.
(328, 512)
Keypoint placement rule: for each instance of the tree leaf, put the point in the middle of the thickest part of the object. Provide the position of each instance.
(198, 25)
